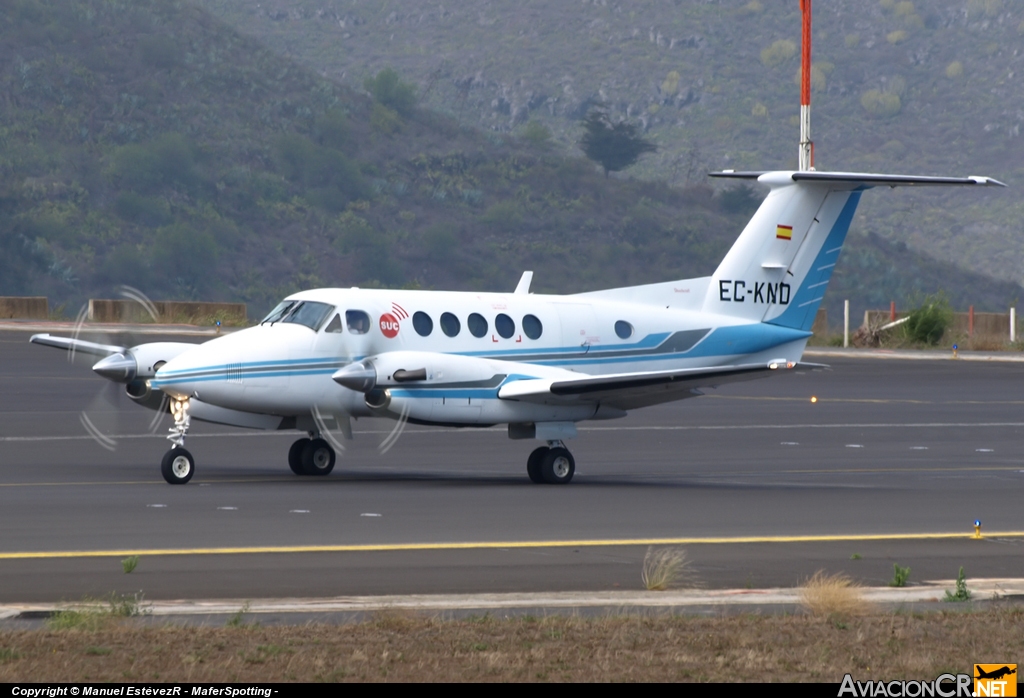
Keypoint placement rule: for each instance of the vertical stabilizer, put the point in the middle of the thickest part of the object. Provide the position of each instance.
(781, 264)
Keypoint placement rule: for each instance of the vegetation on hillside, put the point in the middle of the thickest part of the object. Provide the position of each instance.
(144, 142)
(898, 86)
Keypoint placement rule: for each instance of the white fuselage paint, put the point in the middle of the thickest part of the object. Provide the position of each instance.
(285, 369)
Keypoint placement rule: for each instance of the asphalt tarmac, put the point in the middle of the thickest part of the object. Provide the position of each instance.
(758, 484)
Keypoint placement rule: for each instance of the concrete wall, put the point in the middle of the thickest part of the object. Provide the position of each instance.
(183, 312)
(27, 308)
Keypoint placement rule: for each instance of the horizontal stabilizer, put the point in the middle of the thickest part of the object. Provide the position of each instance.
(864, 179)
(77, 345)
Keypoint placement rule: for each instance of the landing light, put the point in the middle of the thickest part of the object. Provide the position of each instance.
(813, 399)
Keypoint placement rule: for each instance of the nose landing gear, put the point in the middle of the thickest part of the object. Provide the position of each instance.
(551, 464)
(178, 465)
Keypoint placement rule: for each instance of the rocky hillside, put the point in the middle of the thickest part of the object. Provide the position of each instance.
(146, 142)
(899, 86)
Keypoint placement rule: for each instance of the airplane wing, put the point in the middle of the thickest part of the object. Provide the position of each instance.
(628, 391)
(77, 345)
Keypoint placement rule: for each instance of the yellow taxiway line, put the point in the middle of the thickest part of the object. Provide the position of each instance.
(499, 545)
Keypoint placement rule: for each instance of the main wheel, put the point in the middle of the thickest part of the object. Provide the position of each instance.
(317, 457)
(178, 466)
(557, 466)
(295, 456)
(533, 465)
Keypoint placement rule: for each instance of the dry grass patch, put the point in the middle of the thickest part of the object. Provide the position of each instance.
(833, 595)
(666, 568)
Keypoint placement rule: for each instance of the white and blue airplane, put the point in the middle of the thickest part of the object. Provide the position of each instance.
(538, 363)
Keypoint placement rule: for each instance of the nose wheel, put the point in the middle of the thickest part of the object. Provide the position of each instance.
(551, 465)
(178, 466)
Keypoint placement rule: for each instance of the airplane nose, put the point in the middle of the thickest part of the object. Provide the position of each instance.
(117, 367)
(359, 377)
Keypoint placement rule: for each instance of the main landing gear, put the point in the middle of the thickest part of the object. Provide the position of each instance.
(312, 456)
(551, 464)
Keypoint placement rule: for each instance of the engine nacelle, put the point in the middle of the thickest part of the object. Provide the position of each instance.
(141, 393)
(139, 362)
(421, 369)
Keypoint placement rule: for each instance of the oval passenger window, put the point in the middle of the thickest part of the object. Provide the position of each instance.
(358, 321)
(450, 324)
(623, 329)
(422, 323)
(532, 326)
(505, 325)
(477, 325)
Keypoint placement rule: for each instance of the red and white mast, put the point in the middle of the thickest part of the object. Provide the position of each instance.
(806, 159)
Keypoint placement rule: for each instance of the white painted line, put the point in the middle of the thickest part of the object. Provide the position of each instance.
(985, 450)
(790, 443)
(227, 508)
(918, 448)
(371, 515)
(855, 445)
(298, 511)
(157, 506)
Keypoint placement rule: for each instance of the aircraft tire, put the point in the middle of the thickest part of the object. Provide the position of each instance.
(558, 466)
(318, 457)
(533, 465)
(178, 466)
(295, 456)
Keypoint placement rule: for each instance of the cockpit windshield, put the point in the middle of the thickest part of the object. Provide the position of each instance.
(279, 312)
(309, 313)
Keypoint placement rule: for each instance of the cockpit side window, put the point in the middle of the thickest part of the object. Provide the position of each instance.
(334, 326)
(309, 313)
(358, 321)
(279, 312)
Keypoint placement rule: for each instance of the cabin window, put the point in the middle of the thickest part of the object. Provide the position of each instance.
(309, 313)
(279, 312)
(477, 325)
(505, 325)
(334, 326)
(358, 321)
(623, 329)
(450, 324)
(422, 323)
(532, 327)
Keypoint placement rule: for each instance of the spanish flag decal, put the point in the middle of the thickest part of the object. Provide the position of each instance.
(784, 232)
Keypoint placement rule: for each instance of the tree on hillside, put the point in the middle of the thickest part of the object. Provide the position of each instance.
(388, 89)
(613, 145)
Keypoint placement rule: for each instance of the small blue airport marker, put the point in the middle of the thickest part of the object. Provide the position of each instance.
(954, 352)
(977, 528)
(218, 327)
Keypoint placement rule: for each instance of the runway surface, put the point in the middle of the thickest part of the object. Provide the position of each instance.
(892, 453)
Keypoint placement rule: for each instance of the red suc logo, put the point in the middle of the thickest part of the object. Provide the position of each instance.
(389, 325)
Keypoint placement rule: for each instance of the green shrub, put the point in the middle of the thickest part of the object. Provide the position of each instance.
(505, 215)
(388, 89)
(899, 576)
(537, 133)
(928, 322)
(146, 210)
(881, 104)
(385, 121)
(778, 53)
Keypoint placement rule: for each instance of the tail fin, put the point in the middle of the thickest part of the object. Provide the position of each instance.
(779, 267)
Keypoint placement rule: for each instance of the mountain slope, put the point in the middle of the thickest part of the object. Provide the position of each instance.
(924, 88)
(147, 143)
